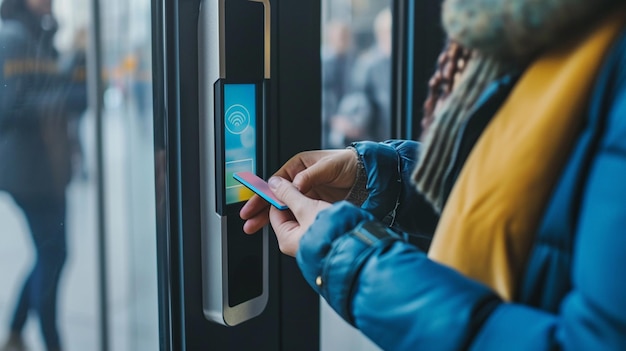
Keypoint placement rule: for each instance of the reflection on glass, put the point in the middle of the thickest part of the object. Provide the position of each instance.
(356, 72)
(49, 297)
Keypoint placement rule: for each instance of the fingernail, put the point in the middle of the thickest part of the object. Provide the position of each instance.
(273, 182)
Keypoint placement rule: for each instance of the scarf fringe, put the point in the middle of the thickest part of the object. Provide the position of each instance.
(438, 148)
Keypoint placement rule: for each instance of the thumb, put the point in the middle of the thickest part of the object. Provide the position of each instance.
(286, 192)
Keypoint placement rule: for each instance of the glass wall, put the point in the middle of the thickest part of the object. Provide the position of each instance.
(356, 105)
(50, 295)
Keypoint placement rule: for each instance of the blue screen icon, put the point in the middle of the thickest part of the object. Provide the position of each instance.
(237, 119)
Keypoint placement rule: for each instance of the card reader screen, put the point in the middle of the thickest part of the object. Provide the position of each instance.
(240, 138)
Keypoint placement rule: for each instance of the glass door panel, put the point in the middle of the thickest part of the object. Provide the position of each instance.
(51, 236)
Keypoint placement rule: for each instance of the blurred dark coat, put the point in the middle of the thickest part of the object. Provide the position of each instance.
(36, 100)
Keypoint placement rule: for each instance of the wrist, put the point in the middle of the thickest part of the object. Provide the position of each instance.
(382, 172)
(358, 193)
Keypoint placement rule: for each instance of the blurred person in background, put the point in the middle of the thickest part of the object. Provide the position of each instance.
(338, 58)
(36, 102)
(365, 112)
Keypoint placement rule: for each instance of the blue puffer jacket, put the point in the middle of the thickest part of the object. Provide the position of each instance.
(572, 296)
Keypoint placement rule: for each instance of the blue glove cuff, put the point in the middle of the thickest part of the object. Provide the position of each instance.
(384, 182)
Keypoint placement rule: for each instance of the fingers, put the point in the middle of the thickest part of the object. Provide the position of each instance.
(289, 194)
(303, 208)
(253, 207)
(256, 210)
(286, 224)
(320, 174)
(289, 226)
(257, 222)
(288, 231)
(305, 180)
(328, 170)
(296, 164)
(301, 162)
(255, 213)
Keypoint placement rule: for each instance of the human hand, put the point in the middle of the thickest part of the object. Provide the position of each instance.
(326, 175)
(290, 225)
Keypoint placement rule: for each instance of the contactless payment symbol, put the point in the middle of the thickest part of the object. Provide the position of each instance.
(237, 119)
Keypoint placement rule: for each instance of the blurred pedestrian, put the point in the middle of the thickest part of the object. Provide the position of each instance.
(36, 102)
(338, 58)
(365, 112)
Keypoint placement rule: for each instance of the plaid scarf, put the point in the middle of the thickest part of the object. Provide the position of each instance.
(501, 36)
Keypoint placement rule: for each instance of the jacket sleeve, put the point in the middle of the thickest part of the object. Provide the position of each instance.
(392, 196)
(402, 300)
(386, 287)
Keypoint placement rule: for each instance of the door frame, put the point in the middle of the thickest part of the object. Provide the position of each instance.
(291, 318)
